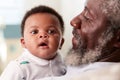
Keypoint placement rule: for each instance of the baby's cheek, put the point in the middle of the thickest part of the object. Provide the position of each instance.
(58, 37)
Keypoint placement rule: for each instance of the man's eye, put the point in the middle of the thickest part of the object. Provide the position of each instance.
(86, 18)
(51, 31)
(34, 32)
(86, 15)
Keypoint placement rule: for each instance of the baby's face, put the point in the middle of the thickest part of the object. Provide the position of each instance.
(42, 35)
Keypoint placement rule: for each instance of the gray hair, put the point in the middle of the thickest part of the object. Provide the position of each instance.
(111, 8)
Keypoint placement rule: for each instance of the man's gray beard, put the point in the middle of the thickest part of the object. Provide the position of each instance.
(81, 55)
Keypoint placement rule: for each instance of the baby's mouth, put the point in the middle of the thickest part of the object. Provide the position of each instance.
(43, 45)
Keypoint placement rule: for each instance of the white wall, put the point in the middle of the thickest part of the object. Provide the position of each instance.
(70, 9)
(52, 3)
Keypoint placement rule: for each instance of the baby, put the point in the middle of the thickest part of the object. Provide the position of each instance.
(42, 35)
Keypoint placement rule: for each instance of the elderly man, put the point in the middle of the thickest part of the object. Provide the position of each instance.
(96, 33)
(96, 43)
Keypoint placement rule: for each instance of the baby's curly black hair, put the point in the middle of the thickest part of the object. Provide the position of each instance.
(42, 9)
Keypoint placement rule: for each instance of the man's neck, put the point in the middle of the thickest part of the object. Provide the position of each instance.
(113, 56)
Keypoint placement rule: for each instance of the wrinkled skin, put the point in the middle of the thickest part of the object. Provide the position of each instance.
(90, 24)
(92, 36)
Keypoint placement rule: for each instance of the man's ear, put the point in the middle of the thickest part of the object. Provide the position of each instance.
(117, 42)
(62, 41)
(22, 41)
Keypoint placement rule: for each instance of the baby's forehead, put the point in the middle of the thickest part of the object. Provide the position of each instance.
(49, 20)
(45, 27)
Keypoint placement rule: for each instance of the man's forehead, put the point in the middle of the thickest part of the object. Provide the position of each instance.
(93, 4)
(94, 1)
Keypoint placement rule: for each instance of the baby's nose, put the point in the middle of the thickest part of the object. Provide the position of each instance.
(43, 36)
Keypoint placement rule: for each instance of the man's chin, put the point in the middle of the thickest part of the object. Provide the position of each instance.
(74, 47)
(76, 57)
(74, 43)
(73, 58)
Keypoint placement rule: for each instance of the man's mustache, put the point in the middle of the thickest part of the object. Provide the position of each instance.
(75, 33)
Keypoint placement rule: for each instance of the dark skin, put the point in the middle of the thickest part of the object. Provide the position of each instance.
(90, 24)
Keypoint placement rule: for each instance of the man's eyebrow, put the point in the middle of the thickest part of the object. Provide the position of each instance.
(86, 8)
(89, 12)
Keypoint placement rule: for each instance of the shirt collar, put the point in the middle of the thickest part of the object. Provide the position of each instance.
(40, 61)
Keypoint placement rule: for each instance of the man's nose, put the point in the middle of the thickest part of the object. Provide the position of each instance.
(76, 22)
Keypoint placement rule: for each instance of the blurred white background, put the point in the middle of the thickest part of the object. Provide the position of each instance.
(11, 14)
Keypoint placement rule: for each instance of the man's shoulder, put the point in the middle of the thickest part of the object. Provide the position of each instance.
(89, 67)
(110, 72)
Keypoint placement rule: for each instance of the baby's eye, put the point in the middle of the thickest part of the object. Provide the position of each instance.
(51, 31)
(34, 31)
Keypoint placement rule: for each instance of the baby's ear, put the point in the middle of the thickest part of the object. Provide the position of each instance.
(22, 41)
(61, 44)
(117, 43)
